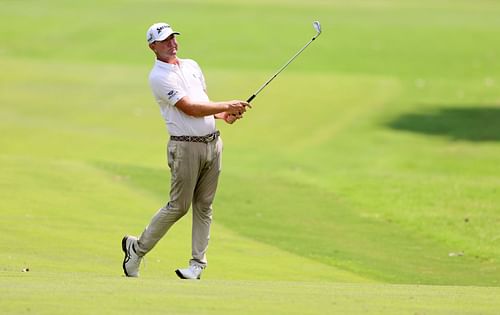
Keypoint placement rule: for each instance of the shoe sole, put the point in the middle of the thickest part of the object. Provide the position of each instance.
(180, 275)
(124, 248)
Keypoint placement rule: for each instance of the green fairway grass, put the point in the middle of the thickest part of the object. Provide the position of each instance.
(365, 180)
(106, 295)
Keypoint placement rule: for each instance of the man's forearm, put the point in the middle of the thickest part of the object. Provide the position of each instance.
(201, 109)
(220, 115)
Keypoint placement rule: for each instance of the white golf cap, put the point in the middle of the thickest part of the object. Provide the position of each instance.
(159, 31)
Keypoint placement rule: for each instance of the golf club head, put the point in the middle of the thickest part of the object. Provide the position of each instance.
(317, 27)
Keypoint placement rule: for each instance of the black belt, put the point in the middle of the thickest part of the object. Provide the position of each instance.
(206, 139)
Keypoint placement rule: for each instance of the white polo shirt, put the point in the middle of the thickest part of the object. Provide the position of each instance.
(169, 84)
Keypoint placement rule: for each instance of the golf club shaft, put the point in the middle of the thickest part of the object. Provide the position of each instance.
(279, 71)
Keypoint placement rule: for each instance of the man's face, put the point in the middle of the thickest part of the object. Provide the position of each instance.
(166, 48)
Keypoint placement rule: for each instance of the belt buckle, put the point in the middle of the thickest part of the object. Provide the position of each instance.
(210, 138)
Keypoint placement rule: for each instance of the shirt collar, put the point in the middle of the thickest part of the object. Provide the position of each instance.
(167, 65)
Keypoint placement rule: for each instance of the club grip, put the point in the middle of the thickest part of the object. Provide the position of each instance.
(250, 98)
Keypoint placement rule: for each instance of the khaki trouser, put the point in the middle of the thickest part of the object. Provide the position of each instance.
(195, 169)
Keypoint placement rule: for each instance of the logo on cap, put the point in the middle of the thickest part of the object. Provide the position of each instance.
(161, 28)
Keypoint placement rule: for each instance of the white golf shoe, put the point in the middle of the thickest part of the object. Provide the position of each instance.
(193, 272)
(132, 261)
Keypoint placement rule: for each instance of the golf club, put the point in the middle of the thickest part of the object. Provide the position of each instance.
(317, 27)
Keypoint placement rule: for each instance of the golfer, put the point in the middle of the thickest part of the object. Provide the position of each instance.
(194, 151)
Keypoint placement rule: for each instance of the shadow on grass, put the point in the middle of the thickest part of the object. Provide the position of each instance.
(463, 123)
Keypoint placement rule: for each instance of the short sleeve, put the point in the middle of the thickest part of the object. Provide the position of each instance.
(167, 89)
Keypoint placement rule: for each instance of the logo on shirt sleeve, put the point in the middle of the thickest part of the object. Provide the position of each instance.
(172, 94)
